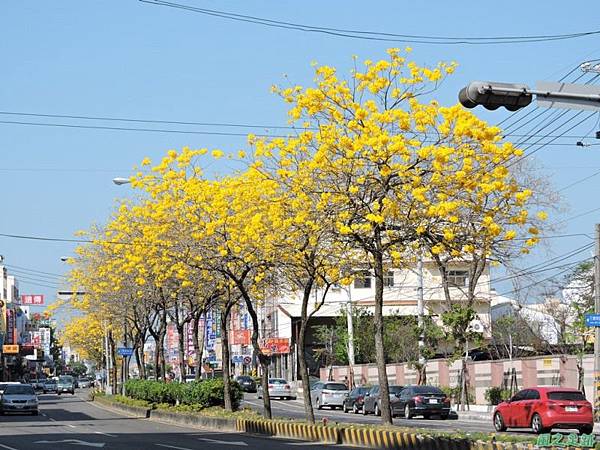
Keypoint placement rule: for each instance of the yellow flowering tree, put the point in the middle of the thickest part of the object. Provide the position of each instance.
(396, 166)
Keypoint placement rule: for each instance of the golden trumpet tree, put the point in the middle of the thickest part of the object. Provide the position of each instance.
(85, 334)
(400, 169)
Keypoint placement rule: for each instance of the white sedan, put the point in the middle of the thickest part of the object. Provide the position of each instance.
(278, 387)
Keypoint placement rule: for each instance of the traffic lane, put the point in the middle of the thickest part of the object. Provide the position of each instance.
(295, 409)
(81, 424)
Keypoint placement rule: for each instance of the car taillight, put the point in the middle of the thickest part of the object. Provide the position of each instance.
(418, 399)
(287, 386)
(447, 400)
(270, 386)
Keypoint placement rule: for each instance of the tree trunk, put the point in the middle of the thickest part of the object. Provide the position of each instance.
(300, 349)
(181, 351)
(262, 358)
(386, 413)
(225, 312)
(198, 344)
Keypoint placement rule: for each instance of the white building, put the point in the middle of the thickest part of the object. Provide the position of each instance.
(280, 316)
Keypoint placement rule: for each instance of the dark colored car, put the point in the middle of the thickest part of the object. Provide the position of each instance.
(372, 402)
(355, 400)
(423, 401)
(544, 408)
(246, 382)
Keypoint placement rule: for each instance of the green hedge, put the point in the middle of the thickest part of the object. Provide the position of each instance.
(203, 394)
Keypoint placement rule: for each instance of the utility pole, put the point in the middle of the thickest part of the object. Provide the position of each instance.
(350, 339)
(597, 329)
(420, 318)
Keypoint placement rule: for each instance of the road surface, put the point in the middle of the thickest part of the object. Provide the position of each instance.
(68, 422)
(295, 409)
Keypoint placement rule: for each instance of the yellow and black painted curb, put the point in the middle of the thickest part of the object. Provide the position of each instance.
(370, 437)
(302, 431)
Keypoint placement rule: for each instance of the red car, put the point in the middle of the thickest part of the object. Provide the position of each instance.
(544, 408)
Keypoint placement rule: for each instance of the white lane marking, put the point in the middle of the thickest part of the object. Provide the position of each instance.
(306, 443)
(105, 434)
(74, 441)
(215, 441)
(71, 426)
(173, 446)
(7, 447)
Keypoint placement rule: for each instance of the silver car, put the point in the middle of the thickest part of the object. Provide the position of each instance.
(278, 387)
(325, 393)
(19, 398)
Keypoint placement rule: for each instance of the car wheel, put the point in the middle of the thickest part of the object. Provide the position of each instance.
(35, 413)
(498, 422)
(377, 410)
(354, 408)
(444, 416)
(292, 398)
(407, 413)
(587, 429)
(344, 408)
(537, 425)
(364, 409)
(318, 404)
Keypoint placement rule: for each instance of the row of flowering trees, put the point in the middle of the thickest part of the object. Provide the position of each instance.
(375, 175)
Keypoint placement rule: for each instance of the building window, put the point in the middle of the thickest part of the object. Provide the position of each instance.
(458, 278)
(388, 279)
(363, 280)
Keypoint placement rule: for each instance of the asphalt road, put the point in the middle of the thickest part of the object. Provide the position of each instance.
(295, 409)
(69, 422)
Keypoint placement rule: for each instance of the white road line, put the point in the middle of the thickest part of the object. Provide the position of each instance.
(71, 426)
(172, 446)
(7, 447)
(105, 434)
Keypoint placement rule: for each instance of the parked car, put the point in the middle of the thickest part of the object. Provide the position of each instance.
(83, 383)
(50, 385)
(423, 401)
(325, 393)
(372, 401)
(354, 401)
(278, 387)
(66, 383)
(37, 384)
(19, 398)
(246, 382)
(544, 408)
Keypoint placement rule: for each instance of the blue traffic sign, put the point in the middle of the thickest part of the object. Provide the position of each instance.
(124, 351)
(592, 320)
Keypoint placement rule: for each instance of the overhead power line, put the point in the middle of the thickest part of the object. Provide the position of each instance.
(374, 35)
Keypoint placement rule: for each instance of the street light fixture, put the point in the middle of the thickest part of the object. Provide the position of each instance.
(119, 181)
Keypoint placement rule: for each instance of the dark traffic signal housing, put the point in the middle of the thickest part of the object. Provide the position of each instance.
(493, 94)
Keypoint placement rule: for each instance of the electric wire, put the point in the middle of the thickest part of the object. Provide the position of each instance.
(374, 35)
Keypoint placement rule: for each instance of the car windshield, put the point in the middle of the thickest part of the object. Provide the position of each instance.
(277, 381)
(362, 390)
(50, 381)
(427, 390)
(566, 395)
(244, 378)
(335, 387)
(65, 379)
(19, 389)
(395, 389)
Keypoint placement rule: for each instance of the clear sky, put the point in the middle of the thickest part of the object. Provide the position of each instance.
(129, 59)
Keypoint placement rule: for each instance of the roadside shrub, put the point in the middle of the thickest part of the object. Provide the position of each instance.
(496, 395)
(203, 394)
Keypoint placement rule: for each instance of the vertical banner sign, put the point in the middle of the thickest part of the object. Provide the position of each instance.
(10, 326)
(211, 335)
(45, 340)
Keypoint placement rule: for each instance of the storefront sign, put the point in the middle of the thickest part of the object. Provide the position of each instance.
(10, 349)
(276, 346)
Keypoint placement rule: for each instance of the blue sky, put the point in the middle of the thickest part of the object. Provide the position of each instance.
(129, 59)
